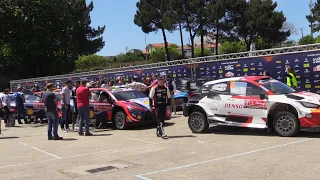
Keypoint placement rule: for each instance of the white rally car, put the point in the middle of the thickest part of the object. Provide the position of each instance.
(254, 102)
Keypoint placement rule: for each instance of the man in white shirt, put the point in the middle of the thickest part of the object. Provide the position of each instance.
(6, 105)
(65, 103)
(137, 85)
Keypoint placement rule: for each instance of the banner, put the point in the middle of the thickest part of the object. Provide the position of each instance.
(306, 66)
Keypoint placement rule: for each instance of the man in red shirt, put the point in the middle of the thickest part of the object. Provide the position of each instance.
(83, 97)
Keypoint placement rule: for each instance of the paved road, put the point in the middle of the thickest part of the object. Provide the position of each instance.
(223, 153)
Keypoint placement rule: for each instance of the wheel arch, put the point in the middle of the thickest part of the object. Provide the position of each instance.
(115, 110)
(281, 107)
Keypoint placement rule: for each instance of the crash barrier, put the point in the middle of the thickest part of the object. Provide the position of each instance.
(304, 59)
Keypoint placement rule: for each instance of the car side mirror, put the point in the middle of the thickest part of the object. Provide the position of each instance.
(263, 96)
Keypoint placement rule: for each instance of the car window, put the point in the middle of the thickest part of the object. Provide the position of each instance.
(253, 90)
(95, 96)
(104, 97)
(244, 88)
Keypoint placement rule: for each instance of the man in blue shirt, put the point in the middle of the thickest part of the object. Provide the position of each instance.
(20, 106)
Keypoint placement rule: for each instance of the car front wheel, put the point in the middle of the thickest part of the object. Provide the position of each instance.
(197, 122)
(286, 124)
(120, 120)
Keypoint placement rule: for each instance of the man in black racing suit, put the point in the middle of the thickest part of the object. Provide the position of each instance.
(159, 100)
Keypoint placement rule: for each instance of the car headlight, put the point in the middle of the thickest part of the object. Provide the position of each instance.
(309, 105)
(136, 113)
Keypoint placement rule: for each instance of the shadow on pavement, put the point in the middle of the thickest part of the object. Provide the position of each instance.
(226, 130)
(187, 136)
(39, 125)
(69, 139)
(101, 134)
(150, 126)
(9, 137)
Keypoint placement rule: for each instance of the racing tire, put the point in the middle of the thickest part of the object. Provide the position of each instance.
(286, 124)
(95, 123)
(120, 121)
(198, 123)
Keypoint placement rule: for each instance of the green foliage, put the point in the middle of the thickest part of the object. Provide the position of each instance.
(154, 15)
(131, 57)
(46, 37)
(92, 62)
(232, 47)
(257, 18)
(307, 40)
(207, 52)
(159, 54)
(314, 19)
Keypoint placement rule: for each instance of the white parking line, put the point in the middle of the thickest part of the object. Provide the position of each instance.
(57, 157)
(22, 164)
(142, 176)
(142, 140)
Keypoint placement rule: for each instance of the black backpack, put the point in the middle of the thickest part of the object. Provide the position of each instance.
(170, 86)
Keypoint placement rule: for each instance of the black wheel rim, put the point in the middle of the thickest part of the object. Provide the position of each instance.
(196, 122)
(285, 124)
(120, 121)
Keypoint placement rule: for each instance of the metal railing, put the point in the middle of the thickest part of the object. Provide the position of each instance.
(223, 57)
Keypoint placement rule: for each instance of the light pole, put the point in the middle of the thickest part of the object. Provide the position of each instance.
(301, 29)
(145, 41)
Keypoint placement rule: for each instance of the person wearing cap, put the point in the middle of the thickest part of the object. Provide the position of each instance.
(159, 100)
(172, 88)
(83, 96)
(50, 101)
(19, 97)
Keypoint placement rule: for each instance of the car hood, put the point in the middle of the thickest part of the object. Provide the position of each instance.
(141, 101)
(298, 96)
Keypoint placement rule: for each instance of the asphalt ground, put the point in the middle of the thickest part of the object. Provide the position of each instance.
(222, 153)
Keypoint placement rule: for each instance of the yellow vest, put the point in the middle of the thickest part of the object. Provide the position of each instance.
(292, 82)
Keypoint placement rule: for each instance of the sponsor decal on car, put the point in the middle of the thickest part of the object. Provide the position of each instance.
(254, 104)
(234, 106)
(102, 108)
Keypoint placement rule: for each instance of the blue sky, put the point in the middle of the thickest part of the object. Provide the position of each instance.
(121, 32)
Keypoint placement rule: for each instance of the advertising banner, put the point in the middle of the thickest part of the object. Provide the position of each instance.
(304, 64)
(177, 72)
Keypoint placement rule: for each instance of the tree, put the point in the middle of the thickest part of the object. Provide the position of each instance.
(179, 7)
(307, 40)
(92, 62)
(258, 18)
(217, 19)
(314, 17)
(46, 37)
(232, 47)
(132, 57)
(159, 54)
(198, 53)
(154, 15)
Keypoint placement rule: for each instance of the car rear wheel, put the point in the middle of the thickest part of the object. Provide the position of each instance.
(286, 124)
(197, 122)
(120, 120)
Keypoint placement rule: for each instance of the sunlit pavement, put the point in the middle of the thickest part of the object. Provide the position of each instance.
(223, 153)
